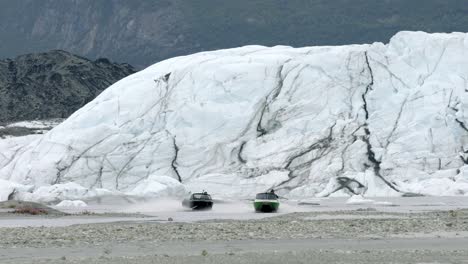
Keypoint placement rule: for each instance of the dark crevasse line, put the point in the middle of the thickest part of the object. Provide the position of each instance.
(370, 153)
(346, 183)
(261, 131)
(98, 181)
(127, 164)
(61, 169)
(369, 86)
(464, 127)
(174, 160)
(323, 144)
(462, 124)
(239, 154)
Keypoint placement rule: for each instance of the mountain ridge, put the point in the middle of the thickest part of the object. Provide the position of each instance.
(142, 32)
(53, 84)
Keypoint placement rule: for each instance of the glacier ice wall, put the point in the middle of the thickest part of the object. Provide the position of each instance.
(374, 119)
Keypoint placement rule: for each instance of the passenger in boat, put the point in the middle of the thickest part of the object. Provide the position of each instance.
(273, 192)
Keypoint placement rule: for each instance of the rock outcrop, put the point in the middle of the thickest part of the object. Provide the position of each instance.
(53, 84)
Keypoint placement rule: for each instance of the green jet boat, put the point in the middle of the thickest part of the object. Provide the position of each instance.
(266, 202)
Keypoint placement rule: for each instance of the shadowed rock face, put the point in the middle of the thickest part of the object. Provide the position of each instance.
(53, 84)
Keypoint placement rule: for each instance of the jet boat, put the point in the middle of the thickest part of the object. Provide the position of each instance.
(198, 201)
(266, 202)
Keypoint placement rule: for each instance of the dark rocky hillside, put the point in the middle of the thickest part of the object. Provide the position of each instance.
(142, 32)
(53, 84)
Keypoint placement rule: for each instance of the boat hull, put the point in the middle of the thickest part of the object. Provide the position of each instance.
(266, 206)
(198, 205)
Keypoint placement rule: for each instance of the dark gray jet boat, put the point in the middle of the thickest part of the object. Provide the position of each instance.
(198, 201)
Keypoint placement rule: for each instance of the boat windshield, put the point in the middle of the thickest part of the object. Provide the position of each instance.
(199, 196)
(267, 196)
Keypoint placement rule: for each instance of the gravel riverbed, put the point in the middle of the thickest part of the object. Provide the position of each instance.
(354, 236)
(290, 226)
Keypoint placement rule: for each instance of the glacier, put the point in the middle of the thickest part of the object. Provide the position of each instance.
(374, 120)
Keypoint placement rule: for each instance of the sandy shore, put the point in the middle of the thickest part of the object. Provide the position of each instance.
(353, 236)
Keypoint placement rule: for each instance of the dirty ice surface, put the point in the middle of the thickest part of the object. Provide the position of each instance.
(374, 119)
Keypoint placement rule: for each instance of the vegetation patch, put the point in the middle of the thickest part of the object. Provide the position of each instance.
(29, 208)
(30, 211)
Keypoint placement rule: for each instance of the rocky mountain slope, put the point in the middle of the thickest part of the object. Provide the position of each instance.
(53, 84)
(142, 32)
(379, 120)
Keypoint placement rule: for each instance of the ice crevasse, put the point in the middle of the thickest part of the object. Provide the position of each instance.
(375, 119)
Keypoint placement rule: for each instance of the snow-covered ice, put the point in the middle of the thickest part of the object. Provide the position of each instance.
(358, 199)
(71, 204)
(7, 188)
(160, 186)
(11, 147)
(372, 120)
